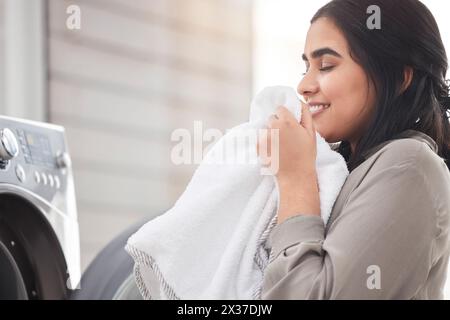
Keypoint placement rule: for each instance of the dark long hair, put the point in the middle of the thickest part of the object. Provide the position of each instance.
(409, 36)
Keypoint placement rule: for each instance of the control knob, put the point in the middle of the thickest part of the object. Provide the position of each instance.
(9, 148)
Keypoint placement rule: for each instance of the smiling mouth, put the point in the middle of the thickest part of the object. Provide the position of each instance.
(318, 109)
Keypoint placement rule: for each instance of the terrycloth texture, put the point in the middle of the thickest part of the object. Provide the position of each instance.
(212, 243)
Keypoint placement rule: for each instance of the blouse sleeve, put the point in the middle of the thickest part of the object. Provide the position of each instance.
(379, 247)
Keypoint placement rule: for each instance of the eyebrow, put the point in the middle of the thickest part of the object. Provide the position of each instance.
(320, 52)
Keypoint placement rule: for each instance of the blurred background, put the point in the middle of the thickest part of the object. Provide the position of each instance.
(132, 73)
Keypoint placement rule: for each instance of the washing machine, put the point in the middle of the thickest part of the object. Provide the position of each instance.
(39, 234)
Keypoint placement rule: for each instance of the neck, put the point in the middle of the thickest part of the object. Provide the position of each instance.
(352, 147)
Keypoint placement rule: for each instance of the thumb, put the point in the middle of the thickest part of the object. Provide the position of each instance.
(307, 120)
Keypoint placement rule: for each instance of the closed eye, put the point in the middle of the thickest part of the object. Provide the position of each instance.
(326, 68)
(321, 69)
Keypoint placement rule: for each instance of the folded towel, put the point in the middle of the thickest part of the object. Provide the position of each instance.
(212, 244)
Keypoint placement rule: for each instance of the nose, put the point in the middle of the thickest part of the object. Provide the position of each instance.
(307, 87)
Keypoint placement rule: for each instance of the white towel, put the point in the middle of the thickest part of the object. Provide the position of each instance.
(212, 243)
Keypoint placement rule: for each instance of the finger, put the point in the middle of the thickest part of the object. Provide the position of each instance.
(283, 113)
(307, 120)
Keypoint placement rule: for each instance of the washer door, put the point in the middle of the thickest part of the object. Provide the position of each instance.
(32, 264)
(12, 286)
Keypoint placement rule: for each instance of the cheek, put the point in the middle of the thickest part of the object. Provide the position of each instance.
(333, 87)
(346, 89)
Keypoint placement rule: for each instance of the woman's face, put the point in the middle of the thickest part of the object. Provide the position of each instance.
(333, 78)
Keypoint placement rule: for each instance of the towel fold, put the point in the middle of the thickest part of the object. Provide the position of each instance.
(212, 244)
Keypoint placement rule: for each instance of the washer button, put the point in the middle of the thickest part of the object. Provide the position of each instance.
(20, 173)
(50, 180)
(44, 179)
(57, 182)
(37, 177)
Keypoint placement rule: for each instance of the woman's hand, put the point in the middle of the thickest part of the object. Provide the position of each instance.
(296, 156)
(296, 169)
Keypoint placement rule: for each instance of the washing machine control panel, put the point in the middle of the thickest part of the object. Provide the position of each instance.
(34, 156)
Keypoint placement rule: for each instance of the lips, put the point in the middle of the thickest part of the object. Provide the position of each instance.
(316, 108)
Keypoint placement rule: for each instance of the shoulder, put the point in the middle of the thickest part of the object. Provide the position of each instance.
(409, 152)
(414, 165)
(422, 175)
(404, 161)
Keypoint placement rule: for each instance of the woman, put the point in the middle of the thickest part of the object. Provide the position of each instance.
(384, 97)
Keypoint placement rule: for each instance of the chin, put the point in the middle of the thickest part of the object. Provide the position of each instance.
(327, 137)
(322, 133)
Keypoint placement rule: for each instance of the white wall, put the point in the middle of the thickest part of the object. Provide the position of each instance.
(280, 28)
(24, 59)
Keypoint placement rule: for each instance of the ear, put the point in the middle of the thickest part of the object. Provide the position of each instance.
(407, 78)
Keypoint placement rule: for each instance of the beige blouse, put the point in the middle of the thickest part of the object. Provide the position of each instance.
(387, 238)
